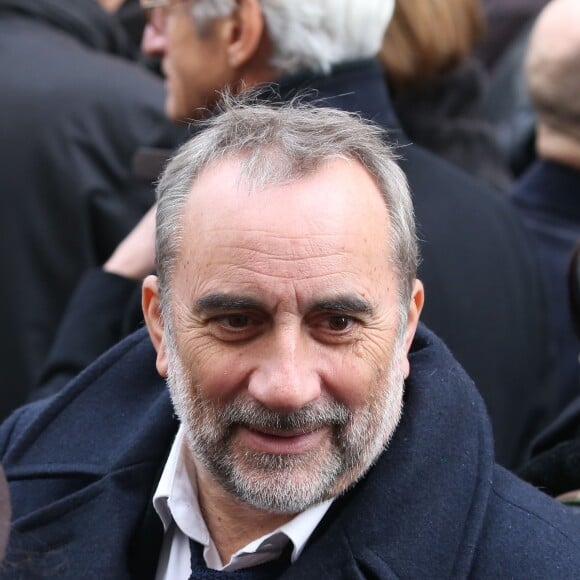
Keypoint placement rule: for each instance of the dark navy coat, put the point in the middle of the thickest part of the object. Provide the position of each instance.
(83, 466)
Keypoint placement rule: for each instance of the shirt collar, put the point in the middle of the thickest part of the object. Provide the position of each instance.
(175, 500)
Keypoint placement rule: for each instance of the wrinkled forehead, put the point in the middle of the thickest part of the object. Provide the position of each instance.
(332, 221)
(337, 193)
(286, 244)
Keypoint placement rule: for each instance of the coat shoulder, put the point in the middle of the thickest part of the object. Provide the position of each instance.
(104, 402)
(526, 533)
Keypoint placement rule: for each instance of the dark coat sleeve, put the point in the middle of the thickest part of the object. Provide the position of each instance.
(554, 462)
(104, 308)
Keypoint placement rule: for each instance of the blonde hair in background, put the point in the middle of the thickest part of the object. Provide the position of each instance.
(427, 38)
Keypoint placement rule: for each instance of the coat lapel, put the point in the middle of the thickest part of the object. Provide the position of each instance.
(107, 437)
(88, 532)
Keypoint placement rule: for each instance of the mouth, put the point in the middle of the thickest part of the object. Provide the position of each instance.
(280, 442)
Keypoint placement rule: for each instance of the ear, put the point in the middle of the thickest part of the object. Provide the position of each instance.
(244, 30)
(152, 312)
(415, 307)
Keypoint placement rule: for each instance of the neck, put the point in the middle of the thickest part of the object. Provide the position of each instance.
(558, 147)
(253, 76)
(231, 523)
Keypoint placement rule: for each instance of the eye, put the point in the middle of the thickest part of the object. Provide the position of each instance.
(334, 328)
(236, 321)
(236, 326)
(339, 323)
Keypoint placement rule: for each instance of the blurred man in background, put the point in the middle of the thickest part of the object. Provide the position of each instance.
(73, 110)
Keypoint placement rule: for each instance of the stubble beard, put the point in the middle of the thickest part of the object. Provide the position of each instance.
(287, 483)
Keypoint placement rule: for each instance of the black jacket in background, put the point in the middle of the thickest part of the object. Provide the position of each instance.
(554, 462)
(446, 117)
(483, 290)
(73, 110)
(548, 199)
(505, 21)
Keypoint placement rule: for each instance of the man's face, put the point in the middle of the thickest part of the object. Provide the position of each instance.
(286, 356)
(194, 64)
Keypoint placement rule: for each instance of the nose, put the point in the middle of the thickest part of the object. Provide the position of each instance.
(286, 378)
(153, 42)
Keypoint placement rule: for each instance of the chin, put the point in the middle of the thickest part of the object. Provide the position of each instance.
(170, 111)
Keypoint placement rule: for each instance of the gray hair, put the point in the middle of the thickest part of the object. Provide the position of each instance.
(313, 34)
(282, 143)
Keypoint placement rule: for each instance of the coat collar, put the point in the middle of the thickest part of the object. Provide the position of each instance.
(357, 87)
(417, 513)
(93, 511)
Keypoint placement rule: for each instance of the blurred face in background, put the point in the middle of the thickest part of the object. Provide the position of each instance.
(194, 58)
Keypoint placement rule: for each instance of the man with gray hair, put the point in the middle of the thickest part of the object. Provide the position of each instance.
(495, 324)
(321, 432)
(242, 43)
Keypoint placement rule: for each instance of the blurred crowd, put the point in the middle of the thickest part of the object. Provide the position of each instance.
(479, 97)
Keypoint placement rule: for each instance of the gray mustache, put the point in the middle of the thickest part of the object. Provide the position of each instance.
(254, 416)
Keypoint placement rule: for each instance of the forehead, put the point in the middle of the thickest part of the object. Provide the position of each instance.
(339, 190)
(320, 229)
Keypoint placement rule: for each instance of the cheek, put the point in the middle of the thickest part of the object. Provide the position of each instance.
(181, 73)
(351, 381)
(178, 94)
(219, 372)
(354, 377)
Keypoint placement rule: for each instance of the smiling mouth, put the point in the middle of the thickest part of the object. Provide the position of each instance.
(282, 442)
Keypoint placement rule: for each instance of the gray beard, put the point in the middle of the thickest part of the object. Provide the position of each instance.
(290, 483)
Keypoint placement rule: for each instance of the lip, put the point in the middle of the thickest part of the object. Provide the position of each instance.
(281, 442)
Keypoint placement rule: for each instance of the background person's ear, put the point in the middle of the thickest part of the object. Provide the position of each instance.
(245, 30)
(151, 305)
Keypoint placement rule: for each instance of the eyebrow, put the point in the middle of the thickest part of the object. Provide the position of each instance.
(343, 304)
(220, 302)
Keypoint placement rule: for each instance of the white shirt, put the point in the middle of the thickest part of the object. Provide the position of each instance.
(176, 502)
